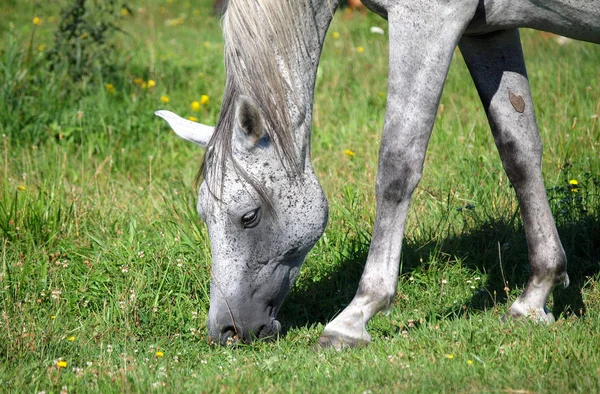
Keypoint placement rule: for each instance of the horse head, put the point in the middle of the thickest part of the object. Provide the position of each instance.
(262, 220)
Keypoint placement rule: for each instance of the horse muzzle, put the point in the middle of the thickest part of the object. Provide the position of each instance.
(227, 327)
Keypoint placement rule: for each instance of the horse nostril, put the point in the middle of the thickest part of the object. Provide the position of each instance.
(270, 331)
(262, 332)
(228, 334)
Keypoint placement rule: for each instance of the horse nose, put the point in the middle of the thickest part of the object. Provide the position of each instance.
(223, 332)
(230, 333)
(268, 331)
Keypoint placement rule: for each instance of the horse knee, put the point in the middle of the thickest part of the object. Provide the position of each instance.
(399, 174)
(522, 164)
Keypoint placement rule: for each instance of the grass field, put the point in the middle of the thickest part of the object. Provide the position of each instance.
(105, 265)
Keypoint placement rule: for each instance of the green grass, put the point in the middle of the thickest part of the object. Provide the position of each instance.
(104, 261)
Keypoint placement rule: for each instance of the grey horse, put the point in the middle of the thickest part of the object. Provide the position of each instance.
(260, 198)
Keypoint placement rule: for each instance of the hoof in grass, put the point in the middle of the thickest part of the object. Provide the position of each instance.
(338, 342)
(543, 316)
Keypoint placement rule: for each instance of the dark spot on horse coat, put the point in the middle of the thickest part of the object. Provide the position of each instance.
(395, 191)
(517, 102)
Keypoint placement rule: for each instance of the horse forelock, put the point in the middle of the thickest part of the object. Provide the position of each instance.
(260, 38)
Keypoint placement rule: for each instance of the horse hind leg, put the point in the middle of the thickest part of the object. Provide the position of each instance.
(497, 66)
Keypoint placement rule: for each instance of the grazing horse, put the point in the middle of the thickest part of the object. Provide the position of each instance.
(260, 198)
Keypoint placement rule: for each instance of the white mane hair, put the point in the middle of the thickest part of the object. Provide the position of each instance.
(262, 40)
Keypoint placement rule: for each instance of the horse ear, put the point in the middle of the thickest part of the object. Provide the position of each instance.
(249, 124)
(186, 129)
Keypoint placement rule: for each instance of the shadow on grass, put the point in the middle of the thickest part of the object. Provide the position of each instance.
(479, 247)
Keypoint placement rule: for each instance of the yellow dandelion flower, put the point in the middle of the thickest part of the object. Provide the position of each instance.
(159, 354)
(110, 88)
(470, 362)
(204, 99)
(195, 106)
(61, 364)
(52, 317)
(164, 99)
(21, 187)
(37, 21)
(41, 47)
(124, 11)
(573, 185)
(200, 75)
(174, 22)
(193, 118)
(138, 81)
(151, 84)
(350, 153)
(71, 338)
(360, 49)
(207, 44)
(84, 36)
(335, 35)
(449, 356)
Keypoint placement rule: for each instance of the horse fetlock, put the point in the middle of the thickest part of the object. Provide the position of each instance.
(377, 298)
(563, 279)
(548, 269)
(552, 277)
(387, 303)
(560, 270)
(387, 308)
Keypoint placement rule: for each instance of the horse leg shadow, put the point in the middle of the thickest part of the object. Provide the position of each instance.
(496, 247)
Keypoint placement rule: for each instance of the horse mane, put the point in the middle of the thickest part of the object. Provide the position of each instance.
(260, 38)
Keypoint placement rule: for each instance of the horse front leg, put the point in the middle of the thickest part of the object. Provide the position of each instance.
(422, 38)
(498, 69)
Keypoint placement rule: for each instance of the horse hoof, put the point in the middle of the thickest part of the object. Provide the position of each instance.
(517, 312)
(338, 342)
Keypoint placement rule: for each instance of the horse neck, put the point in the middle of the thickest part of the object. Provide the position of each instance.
(272, 54)
(304, 64)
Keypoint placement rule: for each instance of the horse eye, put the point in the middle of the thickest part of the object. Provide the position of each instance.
(251, 219)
